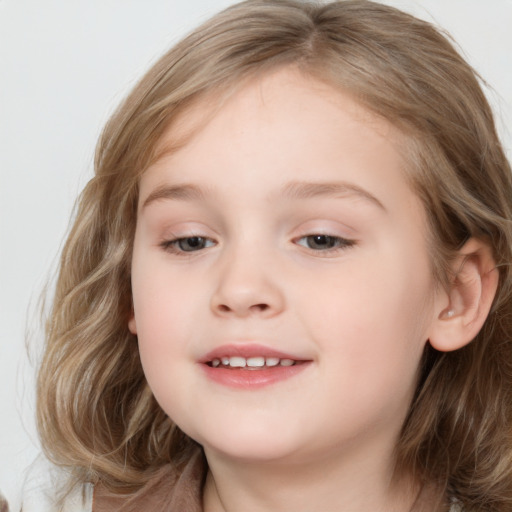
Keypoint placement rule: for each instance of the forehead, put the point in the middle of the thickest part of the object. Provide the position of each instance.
(279, 125)
(259, 90)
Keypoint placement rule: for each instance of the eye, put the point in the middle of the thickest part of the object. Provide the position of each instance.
(188, 244)
(321, 242)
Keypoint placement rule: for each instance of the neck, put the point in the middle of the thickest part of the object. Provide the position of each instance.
(322, 484)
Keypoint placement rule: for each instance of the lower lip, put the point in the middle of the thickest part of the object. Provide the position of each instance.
(242, 378)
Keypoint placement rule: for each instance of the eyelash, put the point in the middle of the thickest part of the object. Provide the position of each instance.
(335, 243)
(338, 243)
(173, 246)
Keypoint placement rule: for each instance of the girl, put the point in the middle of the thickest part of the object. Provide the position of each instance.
(288, 285)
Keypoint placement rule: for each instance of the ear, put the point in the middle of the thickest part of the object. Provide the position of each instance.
(132, 326)
(463, 308)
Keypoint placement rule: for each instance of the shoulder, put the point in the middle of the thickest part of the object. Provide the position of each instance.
(44, 486)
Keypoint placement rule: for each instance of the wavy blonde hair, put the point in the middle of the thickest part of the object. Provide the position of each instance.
(96, 413)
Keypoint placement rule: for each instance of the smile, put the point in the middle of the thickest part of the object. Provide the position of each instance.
(251, 363)
(250, 366)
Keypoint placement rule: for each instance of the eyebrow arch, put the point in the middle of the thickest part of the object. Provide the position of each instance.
(177, 192)
(294, 190)
(309, 190)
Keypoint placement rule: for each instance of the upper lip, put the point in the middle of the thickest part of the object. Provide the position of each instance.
(247, 350)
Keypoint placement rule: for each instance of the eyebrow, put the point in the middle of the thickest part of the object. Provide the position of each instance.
(309, 190)
(297, 190)
(175, 192)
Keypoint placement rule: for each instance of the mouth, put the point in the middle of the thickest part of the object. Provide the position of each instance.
(251, 363)
(251, 366)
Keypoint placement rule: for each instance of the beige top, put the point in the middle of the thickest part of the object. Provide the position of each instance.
(44, 480)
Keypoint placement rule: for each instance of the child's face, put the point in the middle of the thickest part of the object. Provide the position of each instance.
(300, 238)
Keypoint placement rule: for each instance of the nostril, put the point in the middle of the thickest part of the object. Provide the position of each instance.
(243, 310)
(255, 307)
(260, 307)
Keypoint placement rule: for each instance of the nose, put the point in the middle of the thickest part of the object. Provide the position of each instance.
(247, 286)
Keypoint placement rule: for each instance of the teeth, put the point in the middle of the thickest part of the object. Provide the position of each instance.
(251, 362)
(256, 362)
(237, 362)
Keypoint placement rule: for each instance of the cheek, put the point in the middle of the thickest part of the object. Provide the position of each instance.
(164, 318)
(374, 314)
(164, 348)
(375, 348)
(162, 297)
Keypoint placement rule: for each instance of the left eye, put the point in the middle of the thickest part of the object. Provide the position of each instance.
(188, 244)
(323, 242)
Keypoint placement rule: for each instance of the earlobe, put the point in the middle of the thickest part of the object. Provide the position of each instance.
(468, 300)
(132, 326)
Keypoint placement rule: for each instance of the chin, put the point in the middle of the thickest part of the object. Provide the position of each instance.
(250, 445)
(251, 454)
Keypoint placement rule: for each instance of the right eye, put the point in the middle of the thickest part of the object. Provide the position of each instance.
(188, 244)
(325, 243)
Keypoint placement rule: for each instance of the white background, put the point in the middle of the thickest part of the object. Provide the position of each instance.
(64, 66)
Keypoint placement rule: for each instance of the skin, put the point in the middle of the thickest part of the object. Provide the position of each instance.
(360, 312)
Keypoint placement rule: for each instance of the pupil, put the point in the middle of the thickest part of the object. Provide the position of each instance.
(194, 241)
(322, 241)
(191, 243)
